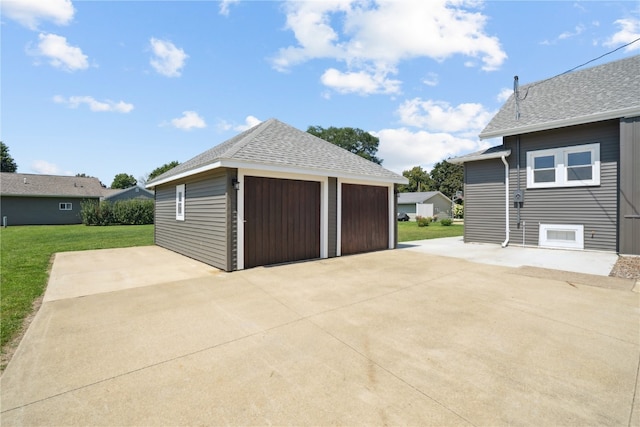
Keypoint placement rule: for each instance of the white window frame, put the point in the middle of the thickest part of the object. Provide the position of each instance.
(561, 156)
(180, 202)
(65, 206)
(545, 242)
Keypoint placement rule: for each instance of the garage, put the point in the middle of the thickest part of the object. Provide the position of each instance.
(282, 220)
(365, 218)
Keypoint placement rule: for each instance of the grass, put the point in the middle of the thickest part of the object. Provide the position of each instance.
(25, 254)
(409, 230)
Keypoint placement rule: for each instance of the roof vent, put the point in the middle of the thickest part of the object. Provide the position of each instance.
(25, 179)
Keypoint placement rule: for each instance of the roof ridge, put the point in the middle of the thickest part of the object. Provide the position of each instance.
(248, 136)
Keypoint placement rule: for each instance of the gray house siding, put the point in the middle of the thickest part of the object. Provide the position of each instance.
(40, 210)
(629, 196)
(203, 233)
(333, 218)
(484, 201)
(595, 207)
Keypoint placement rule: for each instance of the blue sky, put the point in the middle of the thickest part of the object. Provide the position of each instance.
(108, 87)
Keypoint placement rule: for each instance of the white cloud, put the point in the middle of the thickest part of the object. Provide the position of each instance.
(31, 12)
(46, 168)
(249, 122)
(431, 79)
(465, 119)
(361, 82)
(224, 6)
(189, 120)
(60, 53)
(379, 35)
(168, 59)
(504, 94)
(629, 31)
(403, 149)
(94, 105)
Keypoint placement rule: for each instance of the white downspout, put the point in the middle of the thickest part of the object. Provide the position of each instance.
(506, 201)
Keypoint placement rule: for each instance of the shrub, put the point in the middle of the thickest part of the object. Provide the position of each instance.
(458, 211)
(423, 221)
(446, 221)
(122, 212)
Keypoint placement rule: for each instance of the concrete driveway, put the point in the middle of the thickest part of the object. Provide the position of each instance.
(387, 338)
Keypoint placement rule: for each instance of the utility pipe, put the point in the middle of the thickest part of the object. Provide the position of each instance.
(506, 201)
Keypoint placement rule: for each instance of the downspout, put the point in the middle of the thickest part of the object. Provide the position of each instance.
(506, 201)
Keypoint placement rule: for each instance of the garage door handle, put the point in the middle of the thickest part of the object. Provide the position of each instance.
(632, 216)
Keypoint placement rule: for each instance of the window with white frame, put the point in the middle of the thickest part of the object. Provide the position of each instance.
(180, 202)
(66, 206)
(574, 166)
(566, 236)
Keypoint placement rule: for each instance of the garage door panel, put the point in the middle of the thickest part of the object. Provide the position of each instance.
(365, 218)
(282, 220)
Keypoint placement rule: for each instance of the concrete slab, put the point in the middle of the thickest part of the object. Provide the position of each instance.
(392, 337)
(587, 262)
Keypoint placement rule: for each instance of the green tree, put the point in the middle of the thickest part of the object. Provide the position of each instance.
(447, 178)
(8, 164)
(162, 169)
(419, 180)
(355, 140)
(122, 180)
(84, 175)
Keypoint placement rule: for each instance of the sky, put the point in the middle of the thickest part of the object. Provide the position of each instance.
(109, 87)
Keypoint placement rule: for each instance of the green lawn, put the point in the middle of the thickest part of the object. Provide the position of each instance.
(25, 255)
(408, 231)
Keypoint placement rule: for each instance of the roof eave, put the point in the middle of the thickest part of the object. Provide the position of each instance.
(536, 127)
(465, 159)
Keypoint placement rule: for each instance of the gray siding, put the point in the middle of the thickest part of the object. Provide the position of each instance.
(484, 204)
(594, 207)
(40, 210)
(204, 234)
(629, 217)
(441, 207)
(333, 217)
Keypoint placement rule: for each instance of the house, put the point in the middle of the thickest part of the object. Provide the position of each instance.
(135, 192)
(274, 194)
(567, 174)
(29, 199)
(425, 204)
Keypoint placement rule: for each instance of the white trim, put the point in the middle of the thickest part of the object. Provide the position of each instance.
(560, 155)
(181, 202)
(339, 217)
(545, 242)
(280, 169)
(607, 115)
(324, 207)
(477, 157)
(392, 217)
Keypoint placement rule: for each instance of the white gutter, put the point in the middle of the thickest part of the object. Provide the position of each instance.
(506, 201)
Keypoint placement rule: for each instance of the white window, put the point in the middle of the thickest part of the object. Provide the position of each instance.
(564, 167)
(66, 206)
(180, 202)
(565, 236)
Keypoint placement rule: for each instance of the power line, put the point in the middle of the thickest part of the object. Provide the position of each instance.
(601, 56)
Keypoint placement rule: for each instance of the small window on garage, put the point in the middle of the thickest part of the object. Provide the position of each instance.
(180, 202)
(564, 236)
(66, 206)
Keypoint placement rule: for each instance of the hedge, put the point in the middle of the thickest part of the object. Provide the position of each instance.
(122, 212)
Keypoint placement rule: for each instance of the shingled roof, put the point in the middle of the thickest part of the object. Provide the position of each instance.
(276, 146)
(604, 92)
(31, 185)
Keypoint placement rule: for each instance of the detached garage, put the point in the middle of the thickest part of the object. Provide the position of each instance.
(274, 194)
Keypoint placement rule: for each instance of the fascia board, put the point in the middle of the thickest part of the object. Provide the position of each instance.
(466, 159)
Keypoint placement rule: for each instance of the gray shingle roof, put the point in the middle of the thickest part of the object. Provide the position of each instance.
(603, 92)
(20, 184)
(276, 145)
(417, 197)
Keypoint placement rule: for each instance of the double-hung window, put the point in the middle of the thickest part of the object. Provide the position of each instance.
(180, 202)
(573, 166)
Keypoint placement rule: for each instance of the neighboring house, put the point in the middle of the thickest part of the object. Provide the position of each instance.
(425, 204)
(567, 174)
(275, 194)
(28, 199)
(135, 192)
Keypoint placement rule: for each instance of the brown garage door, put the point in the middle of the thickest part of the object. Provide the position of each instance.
(282, 220)
(365, 218)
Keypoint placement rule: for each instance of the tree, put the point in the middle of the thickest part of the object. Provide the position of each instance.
(355, 140)
(162, 169)
(84, 175)
(122, 180)
(419, 180)
(8, 164)
(447, 178)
